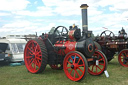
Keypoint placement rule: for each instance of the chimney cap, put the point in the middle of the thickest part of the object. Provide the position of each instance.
(84, 6)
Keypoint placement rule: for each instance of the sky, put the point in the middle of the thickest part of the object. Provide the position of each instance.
(22, 17)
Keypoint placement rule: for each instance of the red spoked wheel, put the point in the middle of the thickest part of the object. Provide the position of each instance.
(99, 64)
(75, 66)
(57, 67)
(123, 58)
(35, 56)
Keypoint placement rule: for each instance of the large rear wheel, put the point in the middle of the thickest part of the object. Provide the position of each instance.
(35, 56)
(123, 58)
(75, 66)
(99, 64)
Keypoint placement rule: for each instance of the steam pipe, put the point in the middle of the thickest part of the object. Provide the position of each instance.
(84, 18)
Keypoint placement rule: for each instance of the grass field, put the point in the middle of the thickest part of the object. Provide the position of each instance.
(18, 75)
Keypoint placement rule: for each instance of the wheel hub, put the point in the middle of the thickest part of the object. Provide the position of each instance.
(72, 66)
(125, 60)
(33, 56)
(94, 60)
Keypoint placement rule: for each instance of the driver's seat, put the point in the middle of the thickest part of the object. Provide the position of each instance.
(52, 30)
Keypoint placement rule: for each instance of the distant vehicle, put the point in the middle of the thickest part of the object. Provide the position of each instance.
(111, 44)
(12, 50)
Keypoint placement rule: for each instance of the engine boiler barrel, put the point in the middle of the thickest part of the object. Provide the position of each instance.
(84, 17)
(86, 47)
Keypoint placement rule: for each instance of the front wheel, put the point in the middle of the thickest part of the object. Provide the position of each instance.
(99, 63)
(75, 66)
(123, 58)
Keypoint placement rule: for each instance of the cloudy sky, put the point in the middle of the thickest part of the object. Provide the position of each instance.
(30, 16)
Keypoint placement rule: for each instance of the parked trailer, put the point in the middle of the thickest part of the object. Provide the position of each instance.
(12, 49)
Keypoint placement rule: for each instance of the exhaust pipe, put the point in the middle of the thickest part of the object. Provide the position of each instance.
(84, 17)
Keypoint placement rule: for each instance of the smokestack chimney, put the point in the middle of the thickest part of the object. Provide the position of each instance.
(84, 18)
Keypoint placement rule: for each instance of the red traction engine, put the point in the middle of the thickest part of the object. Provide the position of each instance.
(66, 49)
(110, 44)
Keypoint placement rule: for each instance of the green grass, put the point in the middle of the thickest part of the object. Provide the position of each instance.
(19, 75)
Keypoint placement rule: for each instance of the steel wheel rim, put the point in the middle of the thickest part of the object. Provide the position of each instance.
(121, 58)
(32, 56)
(98, 69)
(76, 73)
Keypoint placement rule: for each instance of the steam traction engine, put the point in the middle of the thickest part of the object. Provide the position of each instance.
(68, 50)
(111, 44)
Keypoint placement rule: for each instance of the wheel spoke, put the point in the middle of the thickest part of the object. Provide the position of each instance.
(78, 61)
(99, 67)
(77, 73)
(101, 59)
(71, 58)
(96, 69)
(38, 52)
(71, 71)
(101, 64)
(68, 67)
(74, 59)
(80, 70)
(28, 56)
(30, 64)
(92, 67)
(81, 65)
(38, 63)
(123, 56)
(38, 58)
(74, 74)
(69, 62)
(98, 57)
(34, 61)
(30, 60)
(30, 50)
(30, 53)
(62, 30)
(35, 64)
(33, 46)
(36, 47)
(39, 55)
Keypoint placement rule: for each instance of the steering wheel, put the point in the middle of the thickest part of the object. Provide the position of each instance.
(61, 31)
(110, 35)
